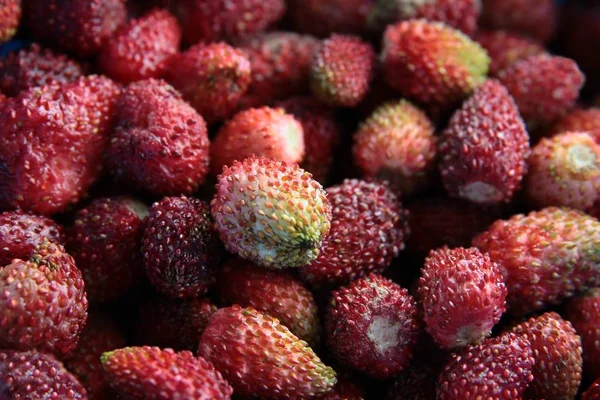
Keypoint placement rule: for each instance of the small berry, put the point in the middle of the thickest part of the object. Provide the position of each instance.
(345, 389)
(10, 15)
(505, 48)
(582, 312)
(324, 17)
(593, 392)
(534, 18)
(580, 120)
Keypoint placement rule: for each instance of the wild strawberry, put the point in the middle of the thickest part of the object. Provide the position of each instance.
(33, 67)
(212, 78)
(372, 327)
(262, 358)
(21, 232)
(557, 353)
(271, 213)
(152, 373)
(580, 120)
(104, 241)
(160, 143)
(483, 151)
(582, 313)
(324, 17)
(432, 63)
(44, 305)
(141, 49)
(368, 227)
(181, 250)
(497, 368)
(276, 293)
(33, 375)
(545, 256)
(10, 15)
(535, 18)
(344, 389)
(397, 143)
(505, 48)
(341, 70)
(265, 131)
(593, 392)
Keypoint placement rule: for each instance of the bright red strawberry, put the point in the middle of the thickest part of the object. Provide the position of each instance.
(262, 358)
(151, 373)
(324, 17)
(105, 241)
(20, 232)
(160, 143)
(580, 120)
(535, 18)
(215, 20)
(397, 143)
(505, 48)
(463, 296)
(321, 134)
(458, 14)
(271, 213)
(141, 49)
(212, 78)
(181, 249)
(36, 67)
(101, 334)
(266, 132)
(276, 293)
(280, 63)
(44, 305)
(483, 150)
(10, 15)
(593, 392)
(432, 63)
(565, 171)
(545, 256)
(78, 26)
(173, 323)
(33, 375)
(544, 87)
(557, 353)
(368, 227)
(582, 312)
(372, 326)
(52, 143)
(498, 368)
(341, 70)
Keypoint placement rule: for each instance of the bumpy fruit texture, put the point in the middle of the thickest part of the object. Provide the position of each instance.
(544, 87)
(372, 326)
(267, 132)
(534, 18)
(341, 70)
(557, 353)
(163, 155)
(10, 14)
(101, 334)
(483, 150)
(211, 21)
(580, 120)
(280, 63)
(151, 373)
(33, 375)
(104, 240)
(582, 312)
(505, 48)
(564, 171)
(368, 227)
(21, 232)
(397, 143)
(180, 247)
(545, 256)
(141, 49)
(324, 17)
(458, 14)
(173, 323)
(432, 63)
(77, 26)
(212, 78)
(271, 213)
(277, 293)
(593, 392)
(262, 358)
(44, 305)
(35, 66)
(463, 296)
(498, 368)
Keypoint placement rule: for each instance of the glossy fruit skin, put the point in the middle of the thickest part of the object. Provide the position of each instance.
(581, 312)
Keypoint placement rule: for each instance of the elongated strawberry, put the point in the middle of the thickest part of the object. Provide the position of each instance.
(262, 358)
(582, 312)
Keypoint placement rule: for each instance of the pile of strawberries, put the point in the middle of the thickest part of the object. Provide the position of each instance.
(299, 199)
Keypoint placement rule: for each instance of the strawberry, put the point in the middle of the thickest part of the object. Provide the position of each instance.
(505, 48)
(262, 358)
(324, 17)
(344, 389)
(580, 120)
(593, 392)
(534, 18)
(10, 14)
(418, 382)
(582, 312)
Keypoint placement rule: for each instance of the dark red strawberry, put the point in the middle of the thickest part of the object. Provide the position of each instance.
(582, 312)
(593, 392)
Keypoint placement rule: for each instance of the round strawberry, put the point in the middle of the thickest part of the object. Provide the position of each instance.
(10, 15)
(324, 17)
(580, 120)
(582, 312)
(535, 18)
